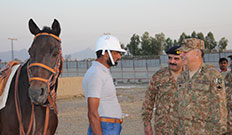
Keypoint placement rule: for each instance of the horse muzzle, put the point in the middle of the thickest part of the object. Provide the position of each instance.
(38, 95)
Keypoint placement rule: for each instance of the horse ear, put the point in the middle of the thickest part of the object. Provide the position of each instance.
(56, 27)
(34, 29)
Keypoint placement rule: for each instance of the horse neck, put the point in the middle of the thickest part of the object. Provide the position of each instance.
(23, 86)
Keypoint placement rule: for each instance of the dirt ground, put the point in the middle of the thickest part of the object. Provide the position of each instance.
(73, 112)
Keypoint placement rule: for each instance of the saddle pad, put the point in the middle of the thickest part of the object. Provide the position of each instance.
(5, 73)
(3, 97)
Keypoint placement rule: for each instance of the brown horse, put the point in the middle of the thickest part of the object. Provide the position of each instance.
(31, 107)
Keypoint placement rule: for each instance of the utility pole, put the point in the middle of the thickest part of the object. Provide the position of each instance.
(12, 49)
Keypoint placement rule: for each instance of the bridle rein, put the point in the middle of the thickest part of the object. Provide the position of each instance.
(51, 81)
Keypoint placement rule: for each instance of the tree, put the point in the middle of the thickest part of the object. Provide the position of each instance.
(182, 37)
(200, 36)
(159, 46)
(210, 42)
(154, 47)
(133, 46)
(123, 47)
(175, 43)
(146, 45)
(194, 34)
(151, 45)
(168, 43)
(223, 42)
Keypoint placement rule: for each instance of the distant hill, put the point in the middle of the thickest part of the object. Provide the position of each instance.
(23, 55)
(84, 54)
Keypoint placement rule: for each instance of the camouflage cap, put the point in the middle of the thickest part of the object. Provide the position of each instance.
(192, 43)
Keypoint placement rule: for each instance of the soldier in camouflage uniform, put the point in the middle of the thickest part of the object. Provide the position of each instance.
(161, 92)
(201, 94)
(228, 84)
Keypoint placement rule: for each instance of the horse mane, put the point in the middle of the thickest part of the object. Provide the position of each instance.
(47, 29)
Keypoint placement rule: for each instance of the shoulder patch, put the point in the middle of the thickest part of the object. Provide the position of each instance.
(218, 83)
(219, 80)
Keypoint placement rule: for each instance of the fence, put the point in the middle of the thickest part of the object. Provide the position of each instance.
(133, 70)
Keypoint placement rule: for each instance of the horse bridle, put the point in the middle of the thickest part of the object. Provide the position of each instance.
(51, 81)
(55, 71)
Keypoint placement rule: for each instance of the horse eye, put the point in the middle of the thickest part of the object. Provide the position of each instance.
(55, 54)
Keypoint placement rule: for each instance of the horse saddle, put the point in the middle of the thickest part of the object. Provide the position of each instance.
(5, 73)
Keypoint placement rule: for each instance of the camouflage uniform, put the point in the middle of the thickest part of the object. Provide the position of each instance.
(228, 84)
(161, 92)
(201, 102)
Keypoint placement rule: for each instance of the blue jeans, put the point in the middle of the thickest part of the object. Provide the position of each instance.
(108, 128)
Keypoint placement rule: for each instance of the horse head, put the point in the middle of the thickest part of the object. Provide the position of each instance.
(45, 63)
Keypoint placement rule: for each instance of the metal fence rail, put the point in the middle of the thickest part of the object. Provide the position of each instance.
(133, 70)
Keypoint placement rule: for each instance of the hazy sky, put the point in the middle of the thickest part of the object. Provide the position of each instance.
(83, 21)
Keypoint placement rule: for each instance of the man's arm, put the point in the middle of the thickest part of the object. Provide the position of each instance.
(219, 103)
(228, 85)
(93, 115)
(148, 129)
(148, 106)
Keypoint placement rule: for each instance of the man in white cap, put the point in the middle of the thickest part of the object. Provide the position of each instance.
(104, 111)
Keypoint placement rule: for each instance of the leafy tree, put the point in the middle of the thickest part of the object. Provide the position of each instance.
(159, 46)
(154, 47)
(151, 45)
(146, 45)
(200, 36)
(182, 37)
(168, 43)
(194, 34)
(210, 42)
(133, 46)
(123, 47)
(223, 42)
(175, 43)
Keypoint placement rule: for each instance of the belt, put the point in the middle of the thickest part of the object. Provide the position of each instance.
(111, 120)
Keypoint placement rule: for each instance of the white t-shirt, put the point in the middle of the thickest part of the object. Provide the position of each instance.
(98, 83)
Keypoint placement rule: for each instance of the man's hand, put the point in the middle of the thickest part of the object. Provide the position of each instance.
(148, 130)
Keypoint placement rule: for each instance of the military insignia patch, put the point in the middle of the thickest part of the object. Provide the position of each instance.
(219, 86)
(219, 80)
(178, 52)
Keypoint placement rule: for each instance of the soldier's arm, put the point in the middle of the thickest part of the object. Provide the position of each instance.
(228, 85)
(148, 104)
(219, 110)
(148, 130)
